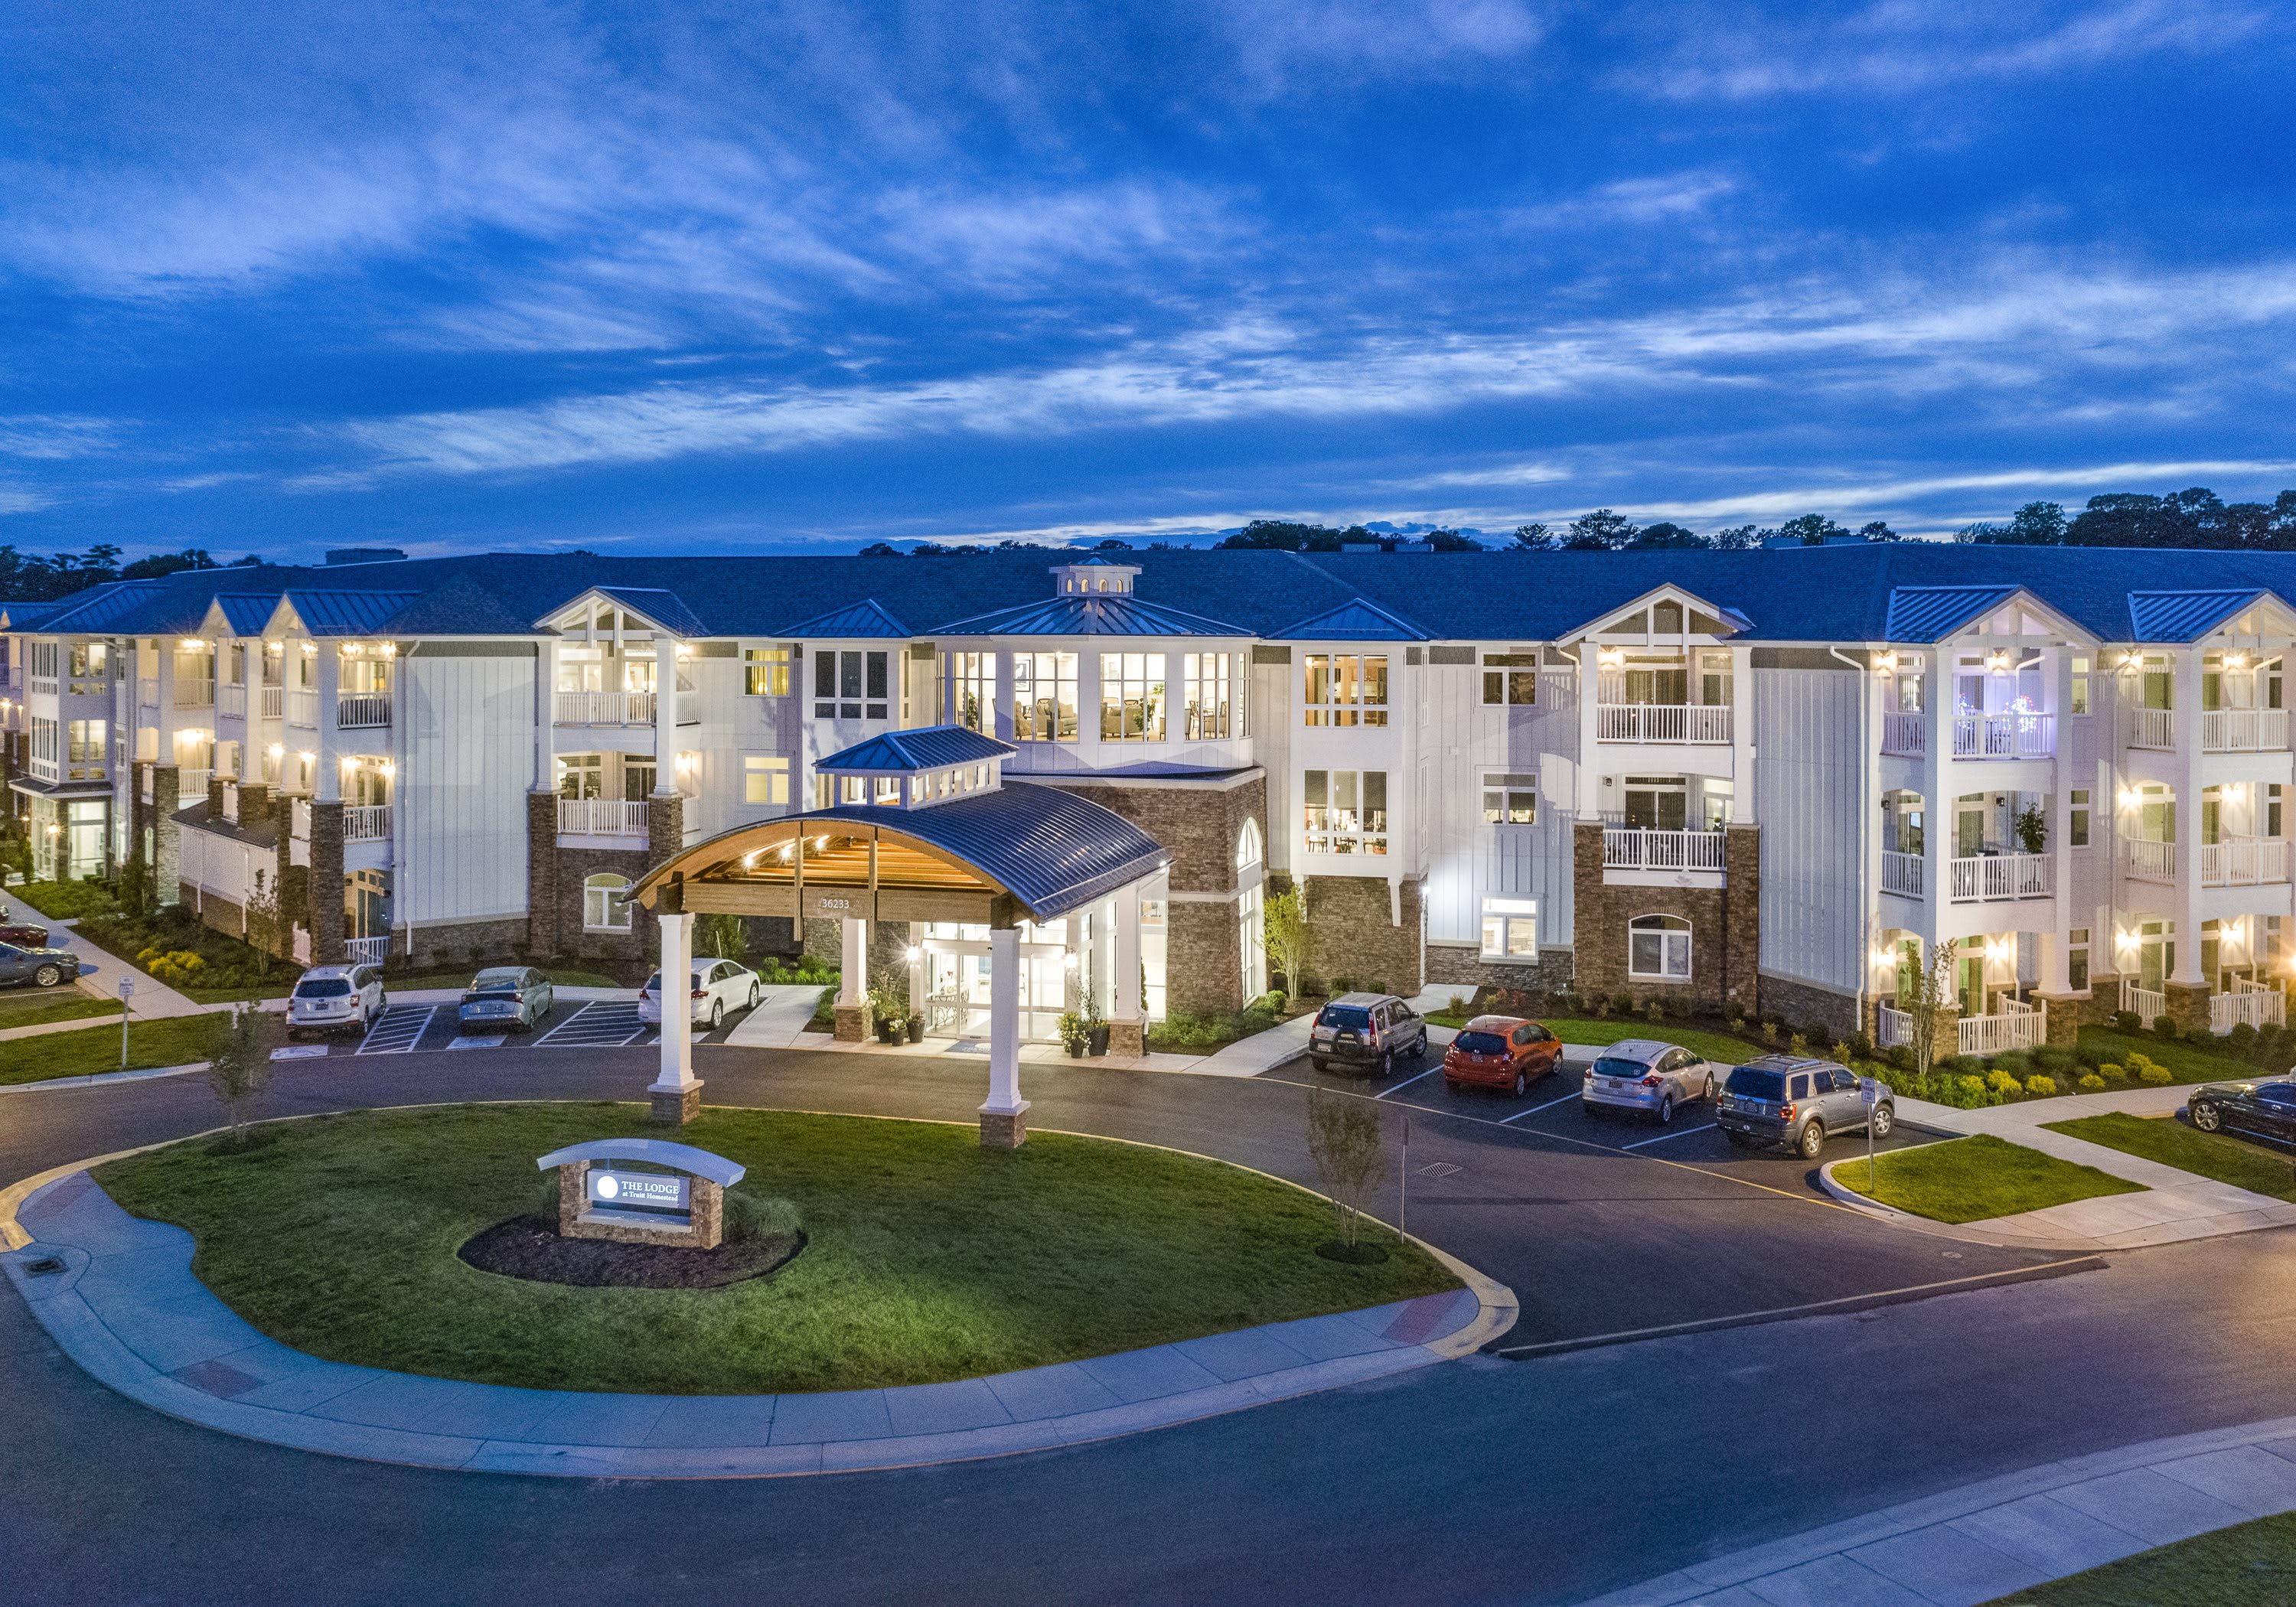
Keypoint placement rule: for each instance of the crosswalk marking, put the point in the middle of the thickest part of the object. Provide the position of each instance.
(598, 1024)
(398, 1030)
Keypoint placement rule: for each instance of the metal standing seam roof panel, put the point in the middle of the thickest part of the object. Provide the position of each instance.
(666, 608)
(124, 606)
(1930, 613)
(1091, 614)
(2186, 616)
(855, 621)
(922, 747)
(1358, 619)
(330, 613)
(247, 613)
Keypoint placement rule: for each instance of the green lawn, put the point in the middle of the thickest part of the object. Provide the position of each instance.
(2172, 1143)
(175, 1040)
(36, 1007)
(2248, 1565)
(67, 900)
(930, 1258)
(2189, 1062)
(1971, 1179)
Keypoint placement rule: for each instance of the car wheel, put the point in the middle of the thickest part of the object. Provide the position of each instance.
(1521, 1083)
(2207, 1118)
(1420, 1047)
(1708, 1095)
(1811, 1140)
(48, 976)
(1387, 1062)
(1665, 1109)
(753, 995)
(1320, 1065)
(1882, 1119)
(717, 1014)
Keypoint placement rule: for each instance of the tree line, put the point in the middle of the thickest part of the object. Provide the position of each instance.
(30, 578)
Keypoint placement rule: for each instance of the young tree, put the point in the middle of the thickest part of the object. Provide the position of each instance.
(239, 1063)
(1346, 1141)
(263, 920)
(722, 936)
(1283, 921)
(1933, 996)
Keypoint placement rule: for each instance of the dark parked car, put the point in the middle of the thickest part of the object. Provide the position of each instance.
(516, 996)
(26, 936)
(1501, 1052)
(2263, 1109)
(1368, 1030)
(41, 966)
(1789, 1099)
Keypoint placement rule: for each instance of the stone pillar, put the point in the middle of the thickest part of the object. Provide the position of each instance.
(1741, 916)
(1003, 1124)
(215, 794)
(167, 836)
(665, 839)
(542, 874)
(676, 1092)
(326, 894)
(2187, 1002)
(853, 982)
(1127, 1023)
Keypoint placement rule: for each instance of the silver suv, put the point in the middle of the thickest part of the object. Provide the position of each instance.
(1791, 1100)
(1367, 1030)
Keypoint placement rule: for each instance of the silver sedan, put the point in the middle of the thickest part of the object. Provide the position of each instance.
(1650, 1077)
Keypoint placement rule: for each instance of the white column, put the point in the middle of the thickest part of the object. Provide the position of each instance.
(328, 785)
(1004, 1023)
(853, 973)
(1590, 786)
(664, 714)
(2056, 953)
(2188, 818)
(1741, 736)
(545, 715)
(1124, 990)
(1938, 811)
(677, 1073)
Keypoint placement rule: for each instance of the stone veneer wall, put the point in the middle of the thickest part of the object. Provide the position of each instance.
(1463, 965)
(167, 836)
(1805, 1005)
(325, 888)
(1352, 933)
(1725, 925)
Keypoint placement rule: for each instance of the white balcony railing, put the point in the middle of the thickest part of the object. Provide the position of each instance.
(1901, 873)
(195, 694)
(2153, 728)
(2149, 861)
(366, 823)
(273, 698)
(2250, 1002)
(366, 951)
(605, 708)
(2003, 735)
(231, 702)
(2017, 1026)
(601, 818)
(362, 711)
(2243, 861)
(2244, 730)
(299, 819)
(192, 781)
(302, 707)
(1662, 723)
(1642, 848)
(2150, 1004)
(147, 691)
(1907, 735)
(1984, 878)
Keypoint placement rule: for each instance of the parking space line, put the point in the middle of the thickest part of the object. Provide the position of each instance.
(598, 1024)
(1662, 1138)
(1535, 1110)
(398, 1030)
(1407, 1081)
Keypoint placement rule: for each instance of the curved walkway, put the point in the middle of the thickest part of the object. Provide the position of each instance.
(117, 1293)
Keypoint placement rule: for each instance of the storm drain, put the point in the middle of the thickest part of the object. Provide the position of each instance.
(43, 1266)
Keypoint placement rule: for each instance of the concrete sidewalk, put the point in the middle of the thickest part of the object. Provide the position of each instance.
(1286, 1041)
(2004, 1535)
(118, 1295)
(100, 970)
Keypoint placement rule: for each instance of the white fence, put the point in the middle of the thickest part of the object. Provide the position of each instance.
(2244, 730)
(601, 818)
(2243, 861)
(2150, 1004)
(364, 710)
(2149, 861)
(1662, 723)
(192, 781)
(1906, 733)
(604, 709)
(2250, 1002)
(1985, 878)
(2017, 1026)
(366, 951)
(366, 823)
(2003, 735)
(1640, 848)
(2153, 728)
(1895, 1027)
(1902, 873)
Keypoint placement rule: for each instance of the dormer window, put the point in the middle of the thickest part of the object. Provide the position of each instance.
(1095, 577)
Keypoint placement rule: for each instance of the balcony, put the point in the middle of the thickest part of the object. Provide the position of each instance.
(1902, 873)
(2148, 861)
(2153, 728)
(194, 694)
(1706, 723)
(147, 691)
(366, 823)
(272, 698)
(231, 702)
(2247, 1002)
(1906, 735)
(2243, 730)
(2017, 735)
(1642, 848)
(192, 781)
(2243, 861)
(604, 709)
(362, 711)
(302, 708)
(1992, 878)
(602, 817)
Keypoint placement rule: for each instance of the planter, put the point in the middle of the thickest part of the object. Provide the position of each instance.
(916, 1030)
(1076, 1047)
(890, 1032)
(1099, 1038)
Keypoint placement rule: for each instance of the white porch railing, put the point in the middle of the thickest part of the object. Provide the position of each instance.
(1895, 1027)
(2003, 735)
(601, 818)
(2149, 861)
(1901, 873)
(2243, 861)
(2244, 730)
(231, 702)
(2250, 1002)
(2153, 728)
(273, 697)
(366, 951)
(147, 691)
(195, 694)
(366, 823)
(1662, 723)
(2150, 1004)
(302, 706)
(299, 819)
(362, 711)
(1906, 733)
(1643, 849)
(230, 800)
(2017, 1026)
(605, 708)
(1984, 878)
(192, 781)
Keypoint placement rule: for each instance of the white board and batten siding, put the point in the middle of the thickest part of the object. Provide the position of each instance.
(462, 805)
(1466, 858)
(212, 862)
(1809, 798)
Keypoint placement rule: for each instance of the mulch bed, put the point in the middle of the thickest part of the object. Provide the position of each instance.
(529, 1247)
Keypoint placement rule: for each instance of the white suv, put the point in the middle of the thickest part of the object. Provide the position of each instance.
(332, 997)
(720, 987)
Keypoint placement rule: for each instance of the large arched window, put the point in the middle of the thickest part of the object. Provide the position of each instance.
(1248, 848)
(606, 903)
(1659, 947)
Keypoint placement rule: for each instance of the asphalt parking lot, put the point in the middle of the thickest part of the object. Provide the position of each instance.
(410, 1029)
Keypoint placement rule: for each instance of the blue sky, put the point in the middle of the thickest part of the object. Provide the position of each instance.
(749, 275)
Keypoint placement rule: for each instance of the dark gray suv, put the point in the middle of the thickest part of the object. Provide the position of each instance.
(1794, 1101)
(1368, 1030)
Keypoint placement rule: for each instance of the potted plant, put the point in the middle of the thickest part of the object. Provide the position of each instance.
(889, 1006)
(1095, 1027)
(916, 1026)
(1074, 1037)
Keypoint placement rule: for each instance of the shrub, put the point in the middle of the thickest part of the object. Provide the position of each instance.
(1458, 1004)
(2014, 1062)
(2002, 1084)
(2109, 1070)
(1965, 1065)
(1340, 985)
(1677, 1008)
(2092, 1084)
(2165, 1026)
(2056, 1063)
(1862, 1047)
(2128, 1021)
(1900, 1057)
(1797, 1043)
(2242, 1040)
(1655, 1011)
(2200, 1038)
(2157, 1075)
(1971, 1091)
(2041, 1087)
(748, 1217)
(1734, 1014)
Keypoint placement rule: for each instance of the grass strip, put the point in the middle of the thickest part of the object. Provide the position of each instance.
(172, 1040)
(1973, 1179)
(2170, 1143)
(29, 1009)
(2249, 1564)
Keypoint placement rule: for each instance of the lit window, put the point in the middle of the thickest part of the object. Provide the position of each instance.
(606, 903)
(1204, 685)
(1510, 677)
(2080, 684)
(1343, 689)
(1659, 947)
(1345, 811)
(766, 672)
(1510, 929)
(1248, 846)
(2076, 960)
(2076, 827)
(764, 778)
(1511, 799)
(1132, 697)
(972, 690)
(1045, 697)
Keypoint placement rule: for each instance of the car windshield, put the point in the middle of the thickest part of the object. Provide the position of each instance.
(1479, 1043)
(323, 987)
(1344, 1016)
(500, 977)
(1611, 1065)
(1749, 1084)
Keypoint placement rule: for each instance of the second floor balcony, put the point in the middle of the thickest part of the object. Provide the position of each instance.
(602, 817)
(2243, 861)
(1709, 723)
(2015, 735)
(2148, 861)
(366, 823)
(1992, 878)
(1648, 849)
(231, 702)
(603, 709)
(2243, 730)
(362, 711)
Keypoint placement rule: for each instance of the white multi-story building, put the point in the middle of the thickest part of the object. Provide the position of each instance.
(1784, 780)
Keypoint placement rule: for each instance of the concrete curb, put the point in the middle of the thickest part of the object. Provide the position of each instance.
(1961, 1232)
(211, 1367)
(57, 1084)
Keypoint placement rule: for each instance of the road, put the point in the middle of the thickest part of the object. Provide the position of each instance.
(1544, 1480)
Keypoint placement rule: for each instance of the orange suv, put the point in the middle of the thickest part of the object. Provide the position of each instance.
(1501, 1052)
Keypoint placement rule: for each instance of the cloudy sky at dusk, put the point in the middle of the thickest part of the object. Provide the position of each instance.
(805, 276)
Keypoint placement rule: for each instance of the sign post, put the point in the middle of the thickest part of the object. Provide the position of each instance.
(1403, 1202)
(1869, 1094)
(126, 1008)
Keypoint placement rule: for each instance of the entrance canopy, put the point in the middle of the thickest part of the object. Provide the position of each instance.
(1018, 852)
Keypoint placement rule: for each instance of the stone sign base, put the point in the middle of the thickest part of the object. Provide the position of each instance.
(1128, 1039)
(675, 1106)
(577, 1218)
(1004, 1129)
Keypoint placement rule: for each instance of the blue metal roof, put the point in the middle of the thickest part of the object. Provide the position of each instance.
(2186, 616)
(332, 613)
(247, 612)
(1354, 620)
(1091, 614)
(666, 608)
(925, 747)
(1931, 613)
(25, 616)
(113, 606)
(865, 619)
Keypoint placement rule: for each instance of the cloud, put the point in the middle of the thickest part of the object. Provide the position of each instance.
(53, 437)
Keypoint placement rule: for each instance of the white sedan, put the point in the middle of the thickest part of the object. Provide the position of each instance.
(720, 987)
